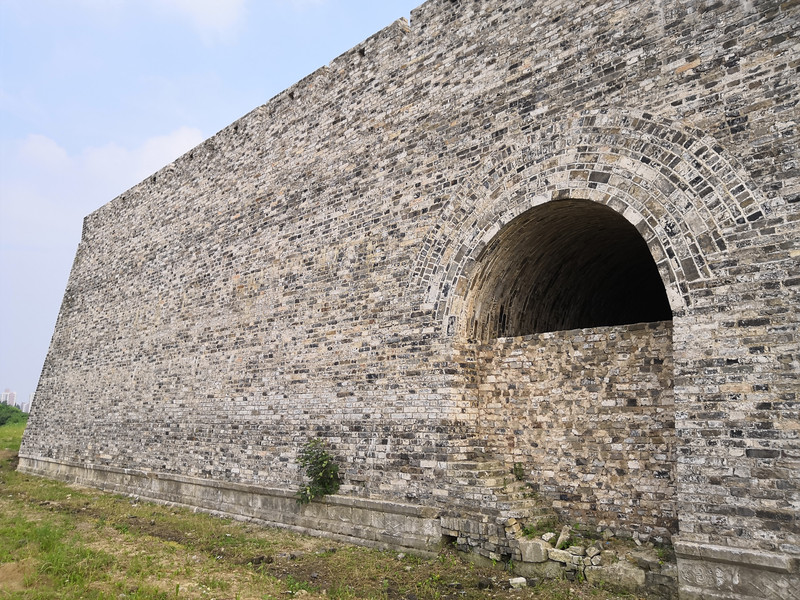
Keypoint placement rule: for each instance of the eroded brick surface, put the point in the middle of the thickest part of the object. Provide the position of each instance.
(309, 271)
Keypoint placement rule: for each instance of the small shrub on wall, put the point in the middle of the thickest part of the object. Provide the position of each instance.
(320, 468)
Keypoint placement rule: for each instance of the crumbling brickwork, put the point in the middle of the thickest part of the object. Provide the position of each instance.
(325, 265)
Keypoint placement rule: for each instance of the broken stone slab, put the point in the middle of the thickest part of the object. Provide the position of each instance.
(563, 536)
(621, 574)
(592, 551)
(548, 569)
(577, 550)
(534, 551)
(646, 559)
(517, 583)
(560, 556)
(548, 536)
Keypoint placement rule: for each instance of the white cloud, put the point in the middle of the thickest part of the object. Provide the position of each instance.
(45, 191)
(213, 20)
(123, 168)
(44, 152)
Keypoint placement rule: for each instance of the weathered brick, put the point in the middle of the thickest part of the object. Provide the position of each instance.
(433, 252)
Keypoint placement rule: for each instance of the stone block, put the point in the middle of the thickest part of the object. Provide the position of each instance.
(534, 551)
(621, 576)
(702, 573)
(545, 570)
(518, 583)
(561, 556)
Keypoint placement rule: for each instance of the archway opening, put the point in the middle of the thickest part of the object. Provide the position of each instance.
(588, 416)
(567, 264)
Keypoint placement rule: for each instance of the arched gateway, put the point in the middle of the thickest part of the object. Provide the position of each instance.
(567, 264)
(554, 238)
(569, 334)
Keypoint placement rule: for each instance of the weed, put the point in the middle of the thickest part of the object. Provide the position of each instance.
(518, 471)
(214, 583)
(665, 553)
(539, 528)
(429, 587)
(320, 468)
(295, 586)
(341, 592)
(122, 527)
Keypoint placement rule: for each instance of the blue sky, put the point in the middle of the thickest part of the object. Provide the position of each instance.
(97, 94)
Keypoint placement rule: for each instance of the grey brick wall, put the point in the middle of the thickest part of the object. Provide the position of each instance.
(589, 416)
(308, 270)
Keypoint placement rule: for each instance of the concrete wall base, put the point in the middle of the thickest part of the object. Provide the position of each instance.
(709, 572)
(376, 523)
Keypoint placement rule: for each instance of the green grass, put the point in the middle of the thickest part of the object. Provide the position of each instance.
(11, 436)
(65, 542)
(10, 415)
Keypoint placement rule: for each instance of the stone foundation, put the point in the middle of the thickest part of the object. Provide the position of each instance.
(709, 572)
(382, 524)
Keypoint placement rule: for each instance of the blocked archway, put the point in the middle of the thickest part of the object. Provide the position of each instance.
(563, 313)
(567, 264)
(568, 326)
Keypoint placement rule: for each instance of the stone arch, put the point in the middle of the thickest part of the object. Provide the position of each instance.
(567, 264)
(675, 187)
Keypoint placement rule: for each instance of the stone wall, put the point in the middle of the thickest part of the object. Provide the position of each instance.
(589, 415)
(311, 269)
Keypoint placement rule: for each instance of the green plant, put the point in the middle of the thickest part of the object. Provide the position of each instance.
(122, 527)
(296, 585)
(320, 468)
(518, 471)
(542, 526)
(11, 415)
(665, 554)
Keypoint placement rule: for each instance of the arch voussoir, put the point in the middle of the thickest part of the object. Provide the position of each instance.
(678, 190)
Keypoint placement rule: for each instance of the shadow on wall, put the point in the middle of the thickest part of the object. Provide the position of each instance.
(567, 264)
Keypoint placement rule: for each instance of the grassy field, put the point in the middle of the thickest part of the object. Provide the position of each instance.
(62, 541)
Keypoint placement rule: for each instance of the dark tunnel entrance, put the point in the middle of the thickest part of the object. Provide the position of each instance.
(567, 264)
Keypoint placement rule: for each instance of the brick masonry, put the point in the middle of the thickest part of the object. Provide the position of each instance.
(590, 416)
(328, 264)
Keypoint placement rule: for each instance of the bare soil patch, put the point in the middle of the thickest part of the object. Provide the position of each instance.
(14, 574)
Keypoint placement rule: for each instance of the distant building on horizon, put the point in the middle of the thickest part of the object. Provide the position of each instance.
(9, 397)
